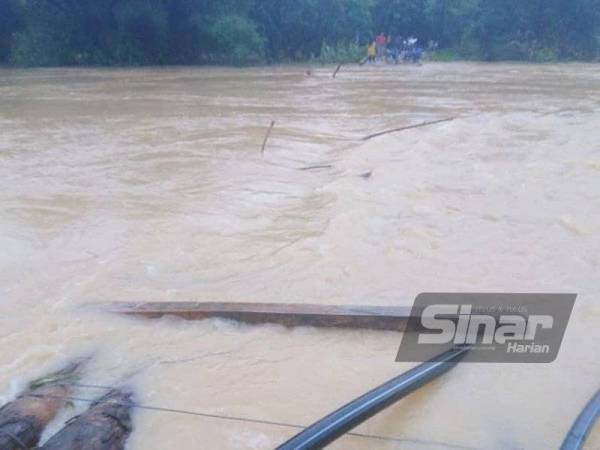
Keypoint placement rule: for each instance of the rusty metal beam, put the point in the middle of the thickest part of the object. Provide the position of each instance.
(392, 318)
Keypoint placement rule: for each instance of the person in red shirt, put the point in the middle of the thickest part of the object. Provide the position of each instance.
(381, 41)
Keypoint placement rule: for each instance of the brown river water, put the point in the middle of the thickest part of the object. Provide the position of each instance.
(149, 184)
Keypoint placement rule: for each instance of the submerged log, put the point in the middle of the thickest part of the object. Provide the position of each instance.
(106, 425)
(289, 315)
(23, 420)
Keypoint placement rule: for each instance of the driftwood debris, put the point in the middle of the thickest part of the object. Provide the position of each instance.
(264, 144)
(23, 420)
(319, 166)
(409, 127)
(337, 69)
(106, 425)
(290, 315)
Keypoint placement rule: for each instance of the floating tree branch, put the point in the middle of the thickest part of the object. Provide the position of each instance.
(337, 69)
(264, 144)
(320, 166)
(409, 127)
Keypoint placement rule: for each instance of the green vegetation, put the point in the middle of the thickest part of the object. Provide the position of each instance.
(240, 32)
(341, 53)
(445, 55)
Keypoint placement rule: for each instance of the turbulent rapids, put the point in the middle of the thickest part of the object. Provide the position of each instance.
(150, 185)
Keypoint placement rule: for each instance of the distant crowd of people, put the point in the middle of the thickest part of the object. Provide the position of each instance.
(394, 50)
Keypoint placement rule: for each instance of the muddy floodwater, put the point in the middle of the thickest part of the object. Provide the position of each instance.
(149, 184)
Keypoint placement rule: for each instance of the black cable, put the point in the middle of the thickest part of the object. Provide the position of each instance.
(239, 419)
(583, 424)
(339, 422)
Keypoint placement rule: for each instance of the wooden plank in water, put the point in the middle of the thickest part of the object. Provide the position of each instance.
(290, 315)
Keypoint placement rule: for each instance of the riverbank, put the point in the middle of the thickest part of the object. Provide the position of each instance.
(440, 59)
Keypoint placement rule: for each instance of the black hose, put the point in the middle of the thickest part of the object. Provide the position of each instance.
(582, 426)
(331, 427)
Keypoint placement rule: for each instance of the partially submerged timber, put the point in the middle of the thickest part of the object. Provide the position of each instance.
(389, 318)
(106, 425)
(23, 420)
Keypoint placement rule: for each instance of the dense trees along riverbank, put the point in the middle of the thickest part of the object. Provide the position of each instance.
(140, 32)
